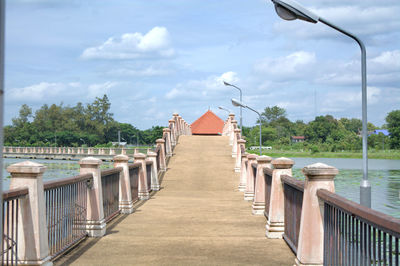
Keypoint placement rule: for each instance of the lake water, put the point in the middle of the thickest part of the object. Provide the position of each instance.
(55, 169)
(384, 176)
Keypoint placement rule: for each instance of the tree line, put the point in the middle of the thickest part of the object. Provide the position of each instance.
(324, 133)
(80, 125)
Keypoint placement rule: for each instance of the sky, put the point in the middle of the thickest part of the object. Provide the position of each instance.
(154, 58)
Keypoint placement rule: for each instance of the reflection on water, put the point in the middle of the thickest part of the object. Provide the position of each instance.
(55, 169)
(384, 176)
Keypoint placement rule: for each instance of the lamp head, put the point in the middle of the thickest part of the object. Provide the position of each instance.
(291, 10)
(220, 107)
(227, 84)
(237, 103)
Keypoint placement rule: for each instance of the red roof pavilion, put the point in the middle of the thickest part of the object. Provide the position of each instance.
(208, 124)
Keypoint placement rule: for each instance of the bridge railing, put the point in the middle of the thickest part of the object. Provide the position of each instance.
(43, 220)
(110, 180)
(293, 196)
(317, 224)
(65, 202)
(11, 204)
(356, 235)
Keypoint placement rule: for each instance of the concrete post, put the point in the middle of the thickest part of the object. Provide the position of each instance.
(166, 133)
(95, 225)
(125, 194)
(163, 164)
(249, 192)
(176, 133)
(155, 184)
(240, 143)
(143, 189)
(232, 132)
(236, 137)
(173, 139)
(311, 236)
(259, 190)
(180, 125)
(229, 127)
(243, 173)
(33, 245)
(275, 226)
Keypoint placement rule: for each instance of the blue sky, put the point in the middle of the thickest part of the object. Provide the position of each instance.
(153, 58)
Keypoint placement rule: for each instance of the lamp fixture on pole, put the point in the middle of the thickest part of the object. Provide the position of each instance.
(240, 104)
(240, 90)
(291, 10)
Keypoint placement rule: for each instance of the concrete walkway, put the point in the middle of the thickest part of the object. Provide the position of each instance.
(198, 218)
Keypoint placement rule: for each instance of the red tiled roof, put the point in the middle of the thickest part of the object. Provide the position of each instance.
(208, 124)
(298, 137)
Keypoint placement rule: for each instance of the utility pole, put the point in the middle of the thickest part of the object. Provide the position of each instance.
(119, 138)
(2, 27)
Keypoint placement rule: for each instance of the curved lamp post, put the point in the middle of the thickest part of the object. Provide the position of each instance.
(225, 109)
(240, 104)
(291, 10)
(228, 84)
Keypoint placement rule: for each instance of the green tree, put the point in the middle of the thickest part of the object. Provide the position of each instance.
(272, 114)
(393, 126)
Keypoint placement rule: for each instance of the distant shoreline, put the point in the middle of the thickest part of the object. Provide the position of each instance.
(387, 155)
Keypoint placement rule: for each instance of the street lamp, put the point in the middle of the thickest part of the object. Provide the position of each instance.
(225, 109)
(228, 84)
(240, 104)
(291, 10)
(82, 140)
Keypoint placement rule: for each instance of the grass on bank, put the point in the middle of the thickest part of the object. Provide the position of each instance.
(388, 154)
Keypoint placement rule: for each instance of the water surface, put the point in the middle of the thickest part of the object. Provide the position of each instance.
(384, 176)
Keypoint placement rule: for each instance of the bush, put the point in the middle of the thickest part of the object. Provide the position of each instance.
(314, 149)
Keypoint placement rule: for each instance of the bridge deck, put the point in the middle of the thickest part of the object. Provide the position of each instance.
(199, 217)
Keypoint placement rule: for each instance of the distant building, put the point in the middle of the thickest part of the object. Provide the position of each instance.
(208, 124)
(298, 139)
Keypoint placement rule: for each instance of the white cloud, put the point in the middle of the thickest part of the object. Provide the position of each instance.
(37, 92)
(202, 89)
(146, 72)
(383, 69)
(387, 61)
(98, 90)
(57, 91)
(155, 43)
(292, 66)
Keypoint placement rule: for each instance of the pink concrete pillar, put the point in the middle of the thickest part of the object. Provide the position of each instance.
(311, 236)
(123, 151)
(176, 133)
(152, 156)
(235, 142)
(243, 173)
(167, 134)
(249, 192)
(163, 164)
(172, 127)
(275, 226)
(229, 127)
(95, 225)
(180, 125)
(258, 206)
(125, 194)
(33, 246)
(232, 132)
(143, 189)
(112, 151)
(238, 164)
